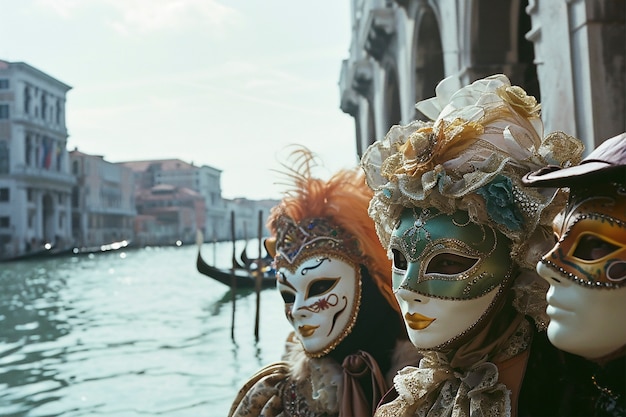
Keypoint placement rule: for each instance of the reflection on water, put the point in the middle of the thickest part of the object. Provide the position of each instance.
(128, 334)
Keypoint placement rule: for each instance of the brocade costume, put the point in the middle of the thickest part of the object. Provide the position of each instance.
(300, 386)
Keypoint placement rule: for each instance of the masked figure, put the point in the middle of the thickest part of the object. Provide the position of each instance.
(465, 236)
(586, 268)
(348, 337)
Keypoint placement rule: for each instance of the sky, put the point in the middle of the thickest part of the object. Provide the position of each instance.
(229, 84)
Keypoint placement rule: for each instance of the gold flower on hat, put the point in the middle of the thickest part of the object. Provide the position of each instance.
(517, 98)
(430, 146)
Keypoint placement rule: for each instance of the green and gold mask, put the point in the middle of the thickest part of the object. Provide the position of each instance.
(448, 256)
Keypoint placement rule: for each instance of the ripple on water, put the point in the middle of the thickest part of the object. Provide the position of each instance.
(143, 334)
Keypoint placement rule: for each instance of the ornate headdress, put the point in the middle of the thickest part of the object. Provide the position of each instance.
(482, 139)
(313, 237)
(319, 217)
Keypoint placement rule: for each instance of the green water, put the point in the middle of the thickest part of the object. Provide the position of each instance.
(136, 333)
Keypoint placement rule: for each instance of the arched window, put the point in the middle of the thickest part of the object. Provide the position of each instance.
(428, 56)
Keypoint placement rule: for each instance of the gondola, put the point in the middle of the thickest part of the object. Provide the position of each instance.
(265, 261)
(244, 278)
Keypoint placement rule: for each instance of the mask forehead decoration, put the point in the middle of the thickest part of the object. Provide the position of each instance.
(471, 157)
(591, 233)
(426, 238)
(314, 237)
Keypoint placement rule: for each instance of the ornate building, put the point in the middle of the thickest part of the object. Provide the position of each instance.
(35, 179)
(570, 54)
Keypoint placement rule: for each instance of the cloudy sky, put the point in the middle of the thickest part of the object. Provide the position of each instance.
(228, 84)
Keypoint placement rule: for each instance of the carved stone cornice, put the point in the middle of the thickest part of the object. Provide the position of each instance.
(380, 27)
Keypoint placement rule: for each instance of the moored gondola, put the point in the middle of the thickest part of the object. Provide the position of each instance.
(243, 277)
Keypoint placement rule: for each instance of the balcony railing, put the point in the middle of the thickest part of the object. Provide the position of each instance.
(39, 175)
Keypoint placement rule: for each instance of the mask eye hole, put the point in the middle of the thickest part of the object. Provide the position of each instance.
(399, 260)
(591, 248)
(288, 297)
(450, 264)
(321, 286)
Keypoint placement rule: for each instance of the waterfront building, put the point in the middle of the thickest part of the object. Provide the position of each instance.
(35, 180)
(103, 201)
(168, 215)
(203, 179)
(569, 54)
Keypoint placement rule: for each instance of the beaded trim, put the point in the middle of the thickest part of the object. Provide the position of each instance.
(312, 237)
(580, 281)
(596, 216)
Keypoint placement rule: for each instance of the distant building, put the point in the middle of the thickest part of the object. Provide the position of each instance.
(246, 217)
(35, 179)
(103, 201)
(203, 179)
(168, 213)
(569, 54)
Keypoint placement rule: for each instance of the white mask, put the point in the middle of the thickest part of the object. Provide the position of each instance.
(579, 322)
(447, 274)
(586, 270)
(322, 298)
(432, 322)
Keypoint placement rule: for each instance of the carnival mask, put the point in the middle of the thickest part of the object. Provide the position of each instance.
(586, 270)
(322, 299)
(447, 274)
(318, 276)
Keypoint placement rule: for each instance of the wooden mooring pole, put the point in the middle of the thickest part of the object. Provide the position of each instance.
(258, 277)
(233, 281)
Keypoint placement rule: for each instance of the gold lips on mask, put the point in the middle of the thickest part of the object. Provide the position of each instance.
(417, 321)
(448, 256)
(591, 233)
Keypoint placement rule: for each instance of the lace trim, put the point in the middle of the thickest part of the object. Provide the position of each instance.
(436, 390)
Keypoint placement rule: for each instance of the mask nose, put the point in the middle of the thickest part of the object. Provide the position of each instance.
(300, 309)
(404, 279)
(548, 273)
(409, 296)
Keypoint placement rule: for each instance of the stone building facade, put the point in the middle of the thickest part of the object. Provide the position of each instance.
(35, 178)
(570, 54)
(103, 201)
(204, 179)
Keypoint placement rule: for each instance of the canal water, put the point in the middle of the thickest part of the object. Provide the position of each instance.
(129, 334)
